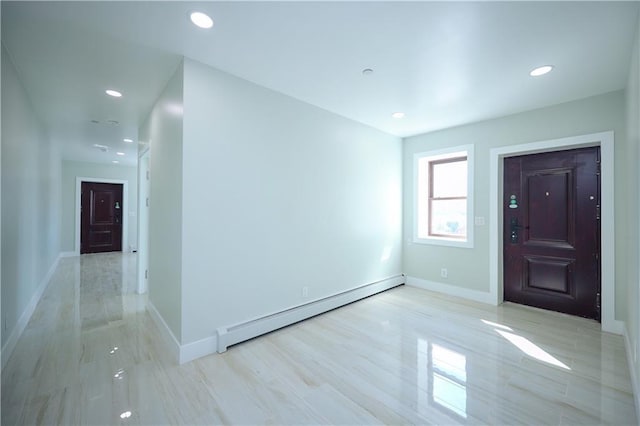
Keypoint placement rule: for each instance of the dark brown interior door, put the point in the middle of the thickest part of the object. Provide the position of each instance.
(552, 231)
(101, 217)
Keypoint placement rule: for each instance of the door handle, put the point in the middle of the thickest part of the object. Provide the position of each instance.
(514, 227)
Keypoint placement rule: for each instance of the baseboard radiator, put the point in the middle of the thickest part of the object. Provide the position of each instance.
(236, 333)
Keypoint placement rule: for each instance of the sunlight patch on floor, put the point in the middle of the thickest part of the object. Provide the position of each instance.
(531, 349)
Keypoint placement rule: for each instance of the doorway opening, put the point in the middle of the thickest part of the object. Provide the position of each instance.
(100, 217)
(605, 141)
(124, 205)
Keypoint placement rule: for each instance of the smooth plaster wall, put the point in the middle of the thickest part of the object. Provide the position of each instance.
(30, 200)
(633, 159)
(469, 267)
(278, 195)
(163, 131)
(73, 169)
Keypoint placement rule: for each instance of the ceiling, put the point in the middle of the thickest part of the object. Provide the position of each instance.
(441, 63)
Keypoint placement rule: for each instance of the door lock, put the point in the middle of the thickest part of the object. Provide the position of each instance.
(514, 230)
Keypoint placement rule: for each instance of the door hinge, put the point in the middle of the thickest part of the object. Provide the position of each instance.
(598, 301)
(598, 212)
(147, 174)
(147, 201)
(146, 273)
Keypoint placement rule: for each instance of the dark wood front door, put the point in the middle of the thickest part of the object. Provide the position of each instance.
(101, 217)
(552, 231)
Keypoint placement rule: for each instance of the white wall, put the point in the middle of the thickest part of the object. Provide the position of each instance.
(1, 321)
(30, 205)
(277, 195)
(163, 132)
(591, 115)
(633, 159)
(73, 169)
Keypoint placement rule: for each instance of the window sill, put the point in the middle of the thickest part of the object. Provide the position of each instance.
(444, 242)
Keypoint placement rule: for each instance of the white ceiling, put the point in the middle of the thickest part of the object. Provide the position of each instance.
(442, 63)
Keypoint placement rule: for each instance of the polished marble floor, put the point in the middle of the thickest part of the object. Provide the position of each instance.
(92, 355)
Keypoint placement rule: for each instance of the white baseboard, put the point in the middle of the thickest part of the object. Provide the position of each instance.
(236, 333)
(167, 334)
(198, 349)
(452, 290)
(69, 254)
(181, 353)
(255, 327)
(615, 327)
(17, 331)
(632, 368)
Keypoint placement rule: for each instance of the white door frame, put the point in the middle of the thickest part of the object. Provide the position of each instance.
(125, 215)
(143, 221)
(605, 141)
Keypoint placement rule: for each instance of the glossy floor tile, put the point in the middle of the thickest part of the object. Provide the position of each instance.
(92, 355)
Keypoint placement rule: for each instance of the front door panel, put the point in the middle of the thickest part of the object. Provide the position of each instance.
(101, 218)
(552, 231)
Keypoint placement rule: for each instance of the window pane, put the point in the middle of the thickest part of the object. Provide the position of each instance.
(450, 179)
(449, 217)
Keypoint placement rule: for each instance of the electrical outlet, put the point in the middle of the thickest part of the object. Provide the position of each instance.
(305, 291)
(444, 273)
(479, 220)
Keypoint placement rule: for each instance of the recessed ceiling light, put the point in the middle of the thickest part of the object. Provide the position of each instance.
(367, 71)
(120, 153)
(113, 93)
(541, 71)
(95, 121)
(127, 140)
(114, 162)
(398, 115)
(201, 20)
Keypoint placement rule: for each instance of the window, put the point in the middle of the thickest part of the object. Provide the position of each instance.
(444, 197)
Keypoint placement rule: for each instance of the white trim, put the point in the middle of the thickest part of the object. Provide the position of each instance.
(143, 222)
(198, 349)
(635, 383)
(181, 353)
(451, 290)
(614, 327)
(605, 141)
(125, 206)
(437, 155)
(68, 254)
(165, 331)
(17, 331)
(239, 332)
(230, 335)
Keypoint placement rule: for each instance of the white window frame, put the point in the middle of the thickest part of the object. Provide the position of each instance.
(419, 208)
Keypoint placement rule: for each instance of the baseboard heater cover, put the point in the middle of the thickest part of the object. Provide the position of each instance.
(236, 333)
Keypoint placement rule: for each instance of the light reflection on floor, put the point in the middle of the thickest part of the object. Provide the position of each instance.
(445, 373)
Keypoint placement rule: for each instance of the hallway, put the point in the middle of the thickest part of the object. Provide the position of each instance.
(92, 355)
